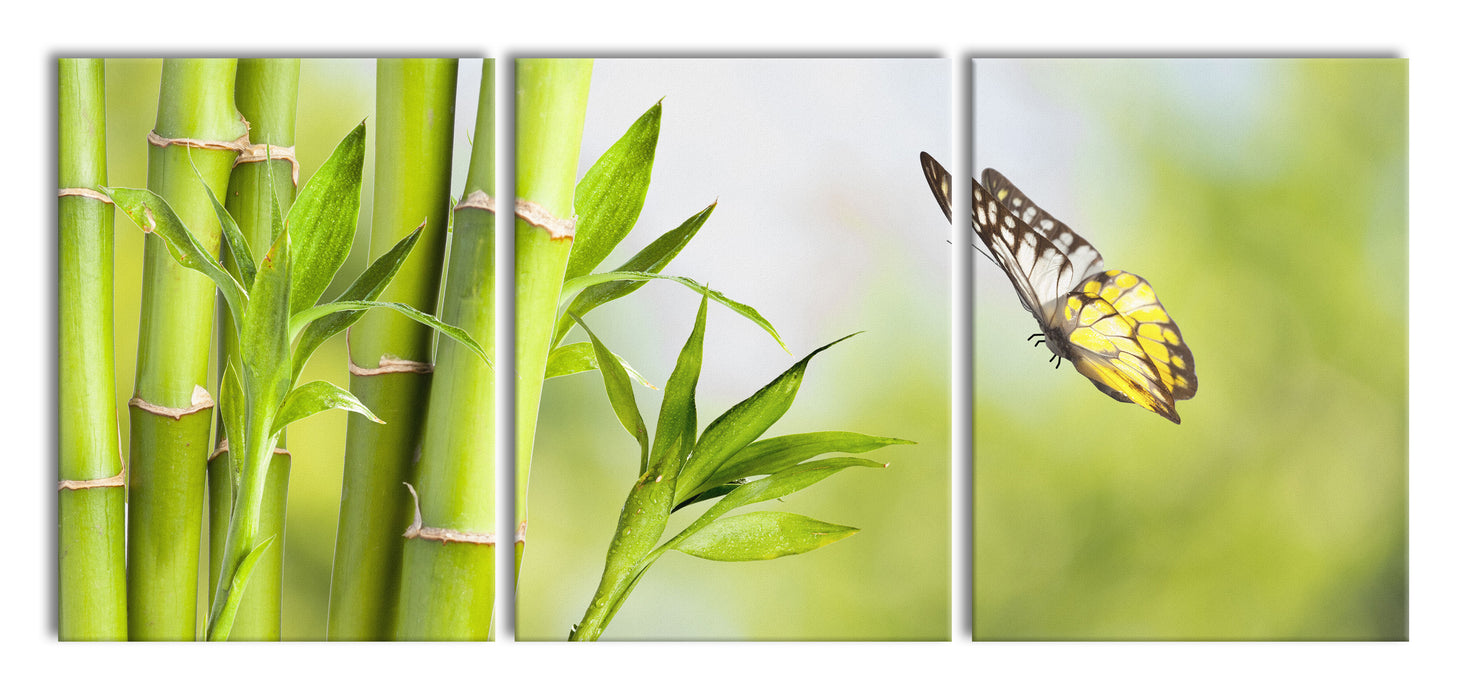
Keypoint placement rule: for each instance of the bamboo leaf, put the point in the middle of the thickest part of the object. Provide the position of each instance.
(221, 626)
(239, 248)
(323, 219)
(300, 320)
(743, 424)
(570, 359)
(609, 197)
(678, 418)
(762, 535)
(575, 358)
(619, 393)
(153, 215)
(265, 344)
(233, 408)
(778, 485)
(367, 287)
(573, 287)
(651, 259)
(772, 455)
(314, 397)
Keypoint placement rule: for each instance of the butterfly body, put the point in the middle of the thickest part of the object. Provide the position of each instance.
(1107, 323)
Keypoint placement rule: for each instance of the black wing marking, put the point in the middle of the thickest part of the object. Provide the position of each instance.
(1039, 270)
(1083, 256)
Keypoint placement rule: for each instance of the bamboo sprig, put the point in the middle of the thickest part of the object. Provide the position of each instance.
(258, 396)
(448, 576)
(171, 409)
(415, 124)
(550, 110)
(93, 594)
(684, 467)
(678, 467)
(265, 91)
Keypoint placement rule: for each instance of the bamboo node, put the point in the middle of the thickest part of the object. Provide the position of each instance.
(83, 192)
(256, 153)
(239, 144)
(417, 531)
(478, 200)
(118, 479)
(387, 364)
(199, 401)
(537, 216)
(223, 448)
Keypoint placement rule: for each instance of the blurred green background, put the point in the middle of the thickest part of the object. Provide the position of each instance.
(803, 157)
(335, 95)
(1266, 202)
(825, 226)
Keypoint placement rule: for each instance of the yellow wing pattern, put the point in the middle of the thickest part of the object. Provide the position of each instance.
(1122, 339)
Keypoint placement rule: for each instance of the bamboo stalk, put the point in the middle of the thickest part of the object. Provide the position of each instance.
(93, 594)
(171, 409)
(550, 109)
(415, 119)
(265, 91)
(448, 583)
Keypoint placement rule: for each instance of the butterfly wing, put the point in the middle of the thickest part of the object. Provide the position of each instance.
(940, 182)
(1039, 270)
(1122, 339)
(1109, 324)
(1158, 334)
(1082, 255)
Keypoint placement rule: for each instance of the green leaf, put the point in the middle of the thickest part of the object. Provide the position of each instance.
(367, 287)
(777, 485)
(233, 410)
(314, 397)
(265, 345)
(239, 248)
(651, 259)
(220, 628)
(762, 535)
(302, 319)
(678, 418)
(323, 220)
(609, 197)
(741, 425)
(153, 215)
(648, 260)
(574, 286)
(619, 392)
(570, 359)
(581, 357)
(774, 454)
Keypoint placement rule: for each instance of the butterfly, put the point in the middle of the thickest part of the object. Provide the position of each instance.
(1108, 323)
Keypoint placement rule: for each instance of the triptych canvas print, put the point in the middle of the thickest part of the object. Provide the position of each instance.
(809, 349)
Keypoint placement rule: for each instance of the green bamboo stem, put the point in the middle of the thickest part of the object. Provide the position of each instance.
(258, 617)
(550, 109)
(265, 91)
(415, 123)
(171, 409)
(448, 580)
(93, 594)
